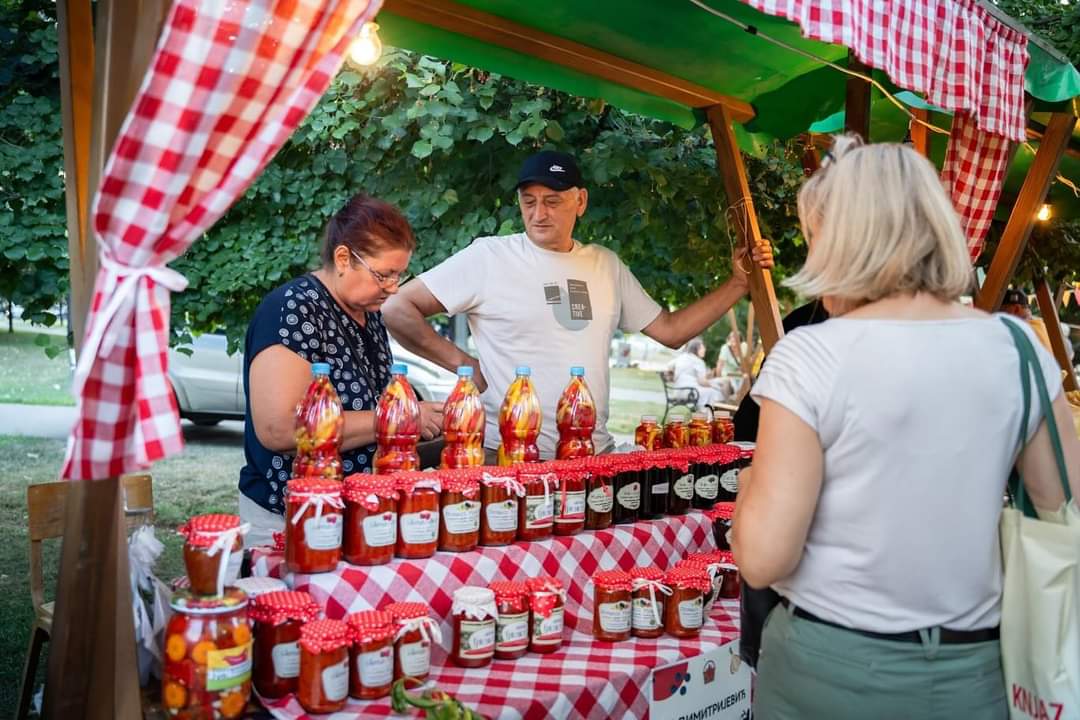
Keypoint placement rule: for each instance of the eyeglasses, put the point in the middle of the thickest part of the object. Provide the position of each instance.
(384, 280)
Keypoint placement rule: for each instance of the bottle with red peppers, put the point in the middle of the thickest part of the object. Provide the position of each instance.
(600, 497)
(500, 495)
(324, 666)
(512, 620)
(314, 522)
(546, 614)
(371, 660)
(278, 618)
(460, 527)
(418, 514)
(570, 500)
(474, 616)
(611, 605)
(684, 612)
(370, 519)
(647, 614)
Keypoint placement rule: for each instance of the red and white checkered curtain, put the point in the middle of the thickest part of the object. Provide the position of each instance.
(960, 57)
(229, 83)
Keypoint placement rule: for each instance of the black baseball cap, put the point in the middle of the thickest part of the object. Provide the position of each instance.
(555, 170)
(1015, 297)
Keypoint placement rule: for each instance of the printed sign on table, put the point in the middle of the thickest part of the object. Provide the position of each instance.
(711, 686)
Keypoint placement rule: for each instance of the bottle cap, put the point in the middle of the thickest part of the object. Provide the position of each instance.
(700, 416)
(465, 371)
(320, 368)
(399, 369)
(577, 371)
(523, 370)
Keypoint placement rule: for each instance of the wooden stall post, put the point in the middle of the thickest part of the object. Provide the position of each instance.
(920, 134)
(857, 100)
(1048, 308)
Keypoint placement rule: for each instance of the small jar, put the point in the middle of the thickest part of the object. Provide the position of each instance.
(709, 563)
(684, 613)
(371, 657)
(699, 432)
(537, 509)
(723, 429)
(731, 583)
(721, 515)
(278, 618)
(413, 635)
(706, 479)
(418, 514)
(213, 551)
(512, 621)
(681, 488)
(313, 525)
(655, 486)
(473, 614)
(546, 614)
(459, 530)
(647, 615)
(324, 666)
(256, 586)
(676, 433)
(500, 495)
(600, 495)
(370, 519)
(570, 497)
(647, 435)
(611, 605)
(627, 489)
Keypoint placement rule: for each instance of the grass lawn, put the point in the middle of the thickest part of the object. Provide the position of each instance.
(626, 414)
(635, 379)
(28, 375)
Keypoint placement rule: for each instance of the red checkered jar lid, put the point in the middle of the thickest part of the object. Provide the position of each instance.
(406, 610)
(371, 625)
(307, 487)
(320, 636)
(507, 590)
(612, 580)
(408, 481)
(275, 608)
(646, 573)
(721, 511)
(366, 490)
(203, 530)
(460, 481)
(688, 577)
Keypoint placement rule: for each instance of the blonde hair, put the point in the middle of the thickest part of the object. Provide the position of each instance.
(879, 223)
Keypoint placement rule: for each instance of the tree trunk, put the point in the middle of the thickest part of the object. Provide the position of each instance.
(10, 317)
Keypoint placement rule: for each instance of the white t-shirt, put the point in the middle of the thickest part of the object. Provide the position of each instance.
(920, 424)
(548, 310)
(688, 370)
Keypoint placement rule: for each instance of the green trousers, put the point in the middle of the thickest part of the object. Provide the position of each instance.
(808, 670)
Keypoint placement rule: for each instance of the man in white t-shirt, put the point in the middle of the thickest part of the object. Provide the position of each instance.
(542, 299)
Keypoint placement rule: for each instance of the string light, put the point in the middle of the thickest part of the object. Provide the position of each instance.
(1044, 213)
(367, 48)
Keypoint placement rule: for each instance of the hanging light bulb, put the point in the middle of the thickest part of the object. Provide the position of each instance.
(367, 48)
(1044, 213)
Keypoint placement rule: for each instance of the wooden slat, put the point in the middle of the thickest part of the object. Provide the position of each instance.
(729, 163)
(857, 100)
(1048, 308)
(1022, 219)
(920, 134)
(495, 30)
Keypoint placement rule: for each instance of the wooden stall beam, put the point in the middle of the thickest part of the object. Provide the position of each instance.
(920, 134)
(857, 100)
(1048, 308)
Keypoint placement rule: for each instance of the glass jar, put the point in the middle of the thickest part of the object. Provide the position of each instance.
(706, 479)
(684, 613)
(600, 497)
(709, 563)
(699, 433)
(647, 615)
(414, 633)
(647, 434)
(655, 486)
(255, 586)
(460, 527)
(370, 519)
(278, 617)
(570, 497)
(731, 584)
(313, 525)
(723, 429)
(371, 657)
(537, 509)
(721, 515)
(546, 614)
(207, 663)
(418, 514)
(473, 614)
(611, 605)
(324, 666)
(681, 488)
(676, 433)
(213, 551)
(512, 621)
(627, 488)
(499, 495)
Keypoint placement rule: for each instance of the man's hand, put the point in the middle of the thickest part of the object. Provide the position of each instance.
(431, 420)
(741, 260)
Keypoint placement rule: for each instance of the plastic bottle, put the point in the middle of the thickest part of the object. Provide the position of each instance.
(463, 424)
(397, 425)
(318, 428)
(647, 434)
(575, 417)
(519, 421)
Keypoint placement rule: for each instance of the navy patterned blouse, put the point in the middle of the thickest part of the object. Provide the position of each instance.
(303, 316)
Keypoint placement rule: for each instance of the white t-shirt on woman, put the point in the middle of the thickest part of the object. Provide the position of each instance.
(919, 422)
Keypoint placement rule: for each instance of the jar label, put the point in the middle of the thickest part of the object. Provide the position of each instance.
(286, 658)
(232, 570)
(462, 518)
(415, 659)
(477, 639)
(502, 516)
(615, 617)
(600, 499)
(228, 667)
(419, 528)
(707, 486)
(512, 631)
(538, 514)
(376, 668)
(548, 630)
(730, 480)
(660, 489)
(630, 496)
(324, 532)
(335, 681)
(684, 487)
(574, 509)
(643, 616)
(690, 613)
(380, 530)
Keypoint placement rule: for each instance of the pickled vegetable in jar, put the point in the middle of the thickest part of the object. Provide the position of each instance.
(459, 530)
(723, 429)
(371, 659)
(611, 605)
(600, 493)
(627, 488)
(570, 497)
(500, 495)
(536, 511)
(313, 525)
(324, 666)
(418, 514)
(684, 613)
(699, 432)
(414, 631)
(681, 486)
(649, 591)
(278, 617)
(676, 433)
(546, 598)
(473, 614)
(317, 427)
(647, 435)
(512, 620)
(213, 551)
(721, 515)
(208, 656)
(370, 519)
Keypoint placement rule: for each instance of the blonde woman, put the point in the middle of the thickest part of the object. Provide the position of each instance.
(886, 439)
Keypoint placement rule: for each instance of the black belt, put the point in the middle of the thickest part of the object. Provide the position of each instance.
(948, 637)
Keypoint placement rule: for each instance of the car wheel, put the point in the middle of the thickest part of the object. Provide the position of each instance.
(205, 421)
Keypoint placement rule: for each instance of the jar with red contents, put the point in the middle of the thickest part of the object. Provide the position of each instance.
(414, 631)
(207, 664)
(418, 514)
(681, 486)
(710, 562)
(600, 495)
(371, 657)
(546, 600)
(647, 614)
(723, 429)
(473, 614)
(213, 551)
(324, 666)
(684, 613)
(500, 495)
(370, 519)
(676, 433)
(459, 530)
(699, 432)
(536, 512)
(570, 497)
(611, 605)
(655, 486)
(721, 515)
(313, 525)
(731, 585)
(627, 486)
(647, 435)
(278, 617)
(706, 477)
(512, 621)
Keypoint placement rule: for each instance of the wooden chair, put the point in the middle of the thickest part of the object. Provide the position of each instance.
(45, 503)
(676, 396)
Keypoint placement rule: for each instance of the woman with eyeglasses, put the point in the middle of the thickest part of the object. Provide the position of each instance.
(331, 315)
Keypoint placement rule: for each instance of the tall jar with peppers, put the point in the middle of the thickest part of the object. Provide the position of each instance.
(371, 659)
(647, 434)
(723, 429)
(474, 614)
(684, 613)
(418, 514)
(676, 433)
(546, 599)
(414, 631)
(397, 425)
(324, 666)
(370, 519)
(699, 432)
(463, 424)
(600, 495)
(570, 497)
(318, 427)
(500, 495)
(213, 550)
(647, 615)
(278, 617)
(459, 530)
(512, 628)
(537, 510)
(314, 522)
(575, 418)
(611, 605)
